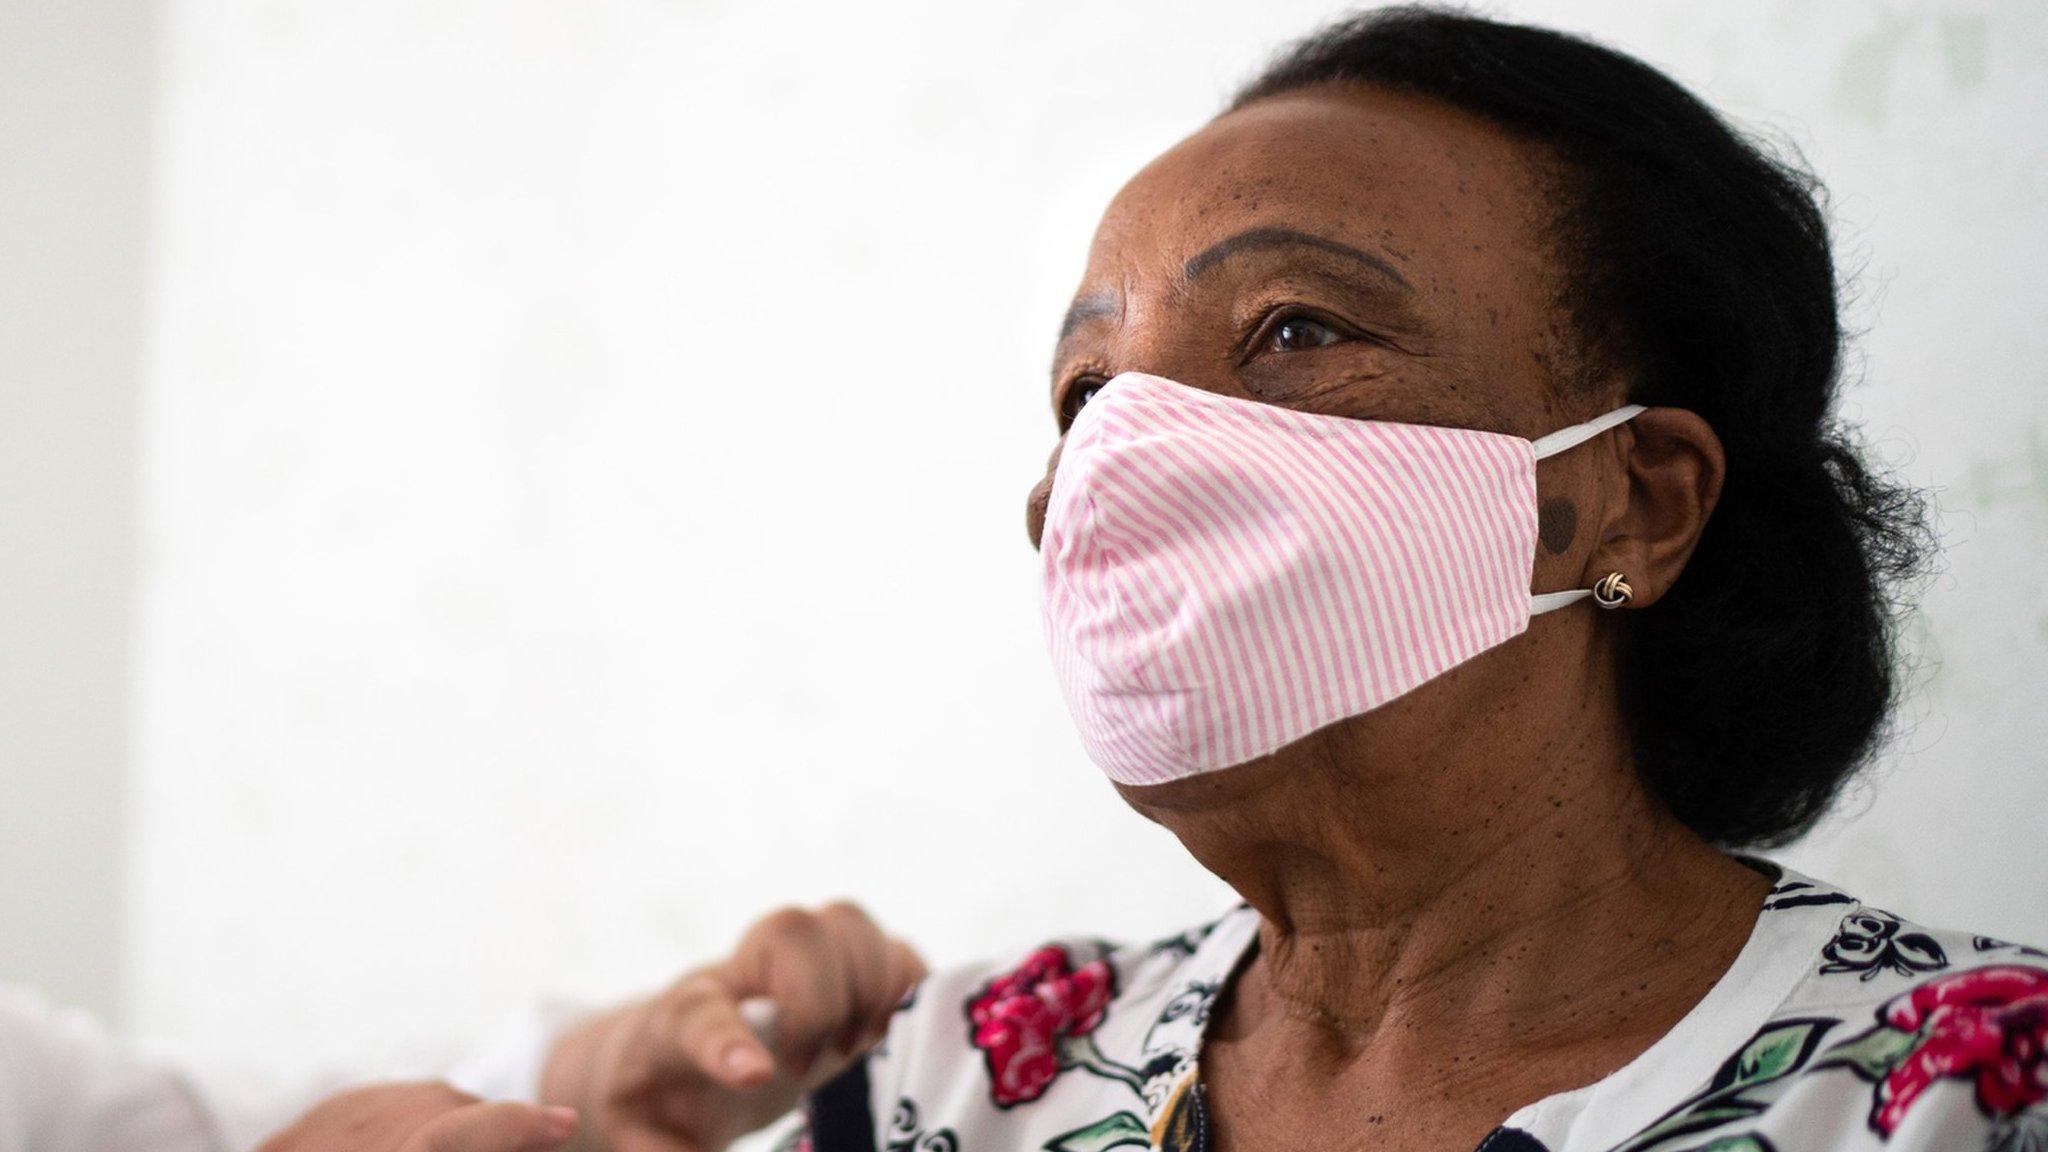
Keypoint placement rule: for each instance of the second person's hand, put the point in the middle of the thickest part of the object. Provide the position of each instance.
(685, 1071)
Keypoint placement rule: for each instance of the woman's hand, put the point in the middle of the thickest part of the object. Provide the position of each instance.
(423, 1118)
(685, 1071)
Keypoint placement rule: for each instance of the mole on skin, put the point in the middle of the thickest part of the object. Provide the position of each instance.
(1557, 521)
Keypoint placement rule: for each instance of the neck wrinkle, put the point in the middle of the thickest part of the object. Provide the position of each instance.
(1442, 888)
(1489, 928)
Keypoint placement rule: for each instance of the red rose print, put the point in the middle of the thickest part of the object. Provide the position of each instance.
(1020, 1018)
(1986, 1023)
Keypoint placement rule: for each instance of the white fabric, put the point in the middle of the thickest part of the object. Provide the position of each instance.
(66, 1086)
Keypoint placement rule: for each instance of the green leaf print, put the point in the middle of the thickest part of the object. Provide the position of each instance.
(1118, 1131)
(1737, 1144)
(1081, 1052)
(1742, 1088)
(1872, 1054)
(1775, 1051)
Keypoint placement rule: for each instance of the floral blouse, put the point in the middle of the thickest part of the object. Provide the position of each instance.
(1839, 1028)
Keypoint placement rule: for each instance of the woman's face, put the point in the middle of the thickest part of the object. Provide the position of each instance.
(1344, 251)
(1356, 252)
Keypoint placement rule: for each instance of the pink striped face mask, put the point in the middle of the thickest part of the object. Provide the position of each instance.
(1224, 577)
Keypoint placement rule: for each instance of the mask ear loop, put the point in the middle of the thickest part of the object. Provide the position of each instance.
(1548, 446)
(1543, 602)
(1578, 434)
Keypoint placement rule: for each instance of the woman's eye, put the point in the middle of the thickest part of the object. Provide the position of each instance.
(1077, 398)
(1300, 334)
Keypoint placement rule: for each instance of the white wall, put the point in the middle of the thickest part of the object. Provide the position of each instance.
(74, 122)
(585, 451)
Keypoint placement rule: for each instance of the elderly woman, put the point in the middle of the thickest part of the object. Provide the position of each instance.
(1449, 542)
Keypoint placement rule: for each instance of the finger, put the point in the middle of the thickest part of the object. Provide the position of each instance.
(791, 957)
(501, 1127)
(862, 952)
(705, 1030)
(906, 970)
(390, 1110)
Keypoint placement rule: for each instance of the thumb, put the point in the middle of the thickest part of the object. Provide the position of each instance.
(500, 1127)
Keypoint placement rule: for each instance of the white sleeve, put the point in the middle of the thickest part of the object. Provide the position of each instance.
(65, 1086)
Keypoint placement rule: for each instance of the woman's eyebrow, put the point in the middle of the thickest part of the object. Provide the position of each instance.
(1087, 308)
(1256, 238)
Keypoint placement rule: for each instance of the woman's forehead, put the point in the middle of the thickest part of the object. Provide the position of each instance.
(1422, 185)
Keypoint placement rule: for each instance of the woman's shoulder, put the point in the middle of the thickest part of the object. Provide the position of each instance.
(1892, 1036)
(1869, 957)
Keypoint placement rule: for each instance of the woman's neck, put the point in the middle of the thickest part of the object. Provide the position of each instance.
(1535, 903)
(1431, 1000)
(1514, 941)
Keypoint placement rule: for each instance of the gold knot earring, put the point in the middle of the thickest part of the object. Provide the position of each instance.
(1612, 590)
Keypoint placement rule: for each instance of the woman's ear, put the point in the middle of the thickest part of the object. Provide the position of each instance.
(1674, 466)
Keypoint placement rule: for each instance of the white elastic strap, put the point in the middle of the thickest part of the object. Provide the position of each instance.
(1543, 602)
(1551, 445)
(1578, 434)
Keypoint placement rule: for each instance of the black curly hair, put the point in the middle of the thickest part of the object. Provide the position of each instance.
(1700, 268)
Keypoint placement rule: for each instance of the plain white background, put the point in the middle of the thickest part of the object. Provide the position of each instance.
(500, 493)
